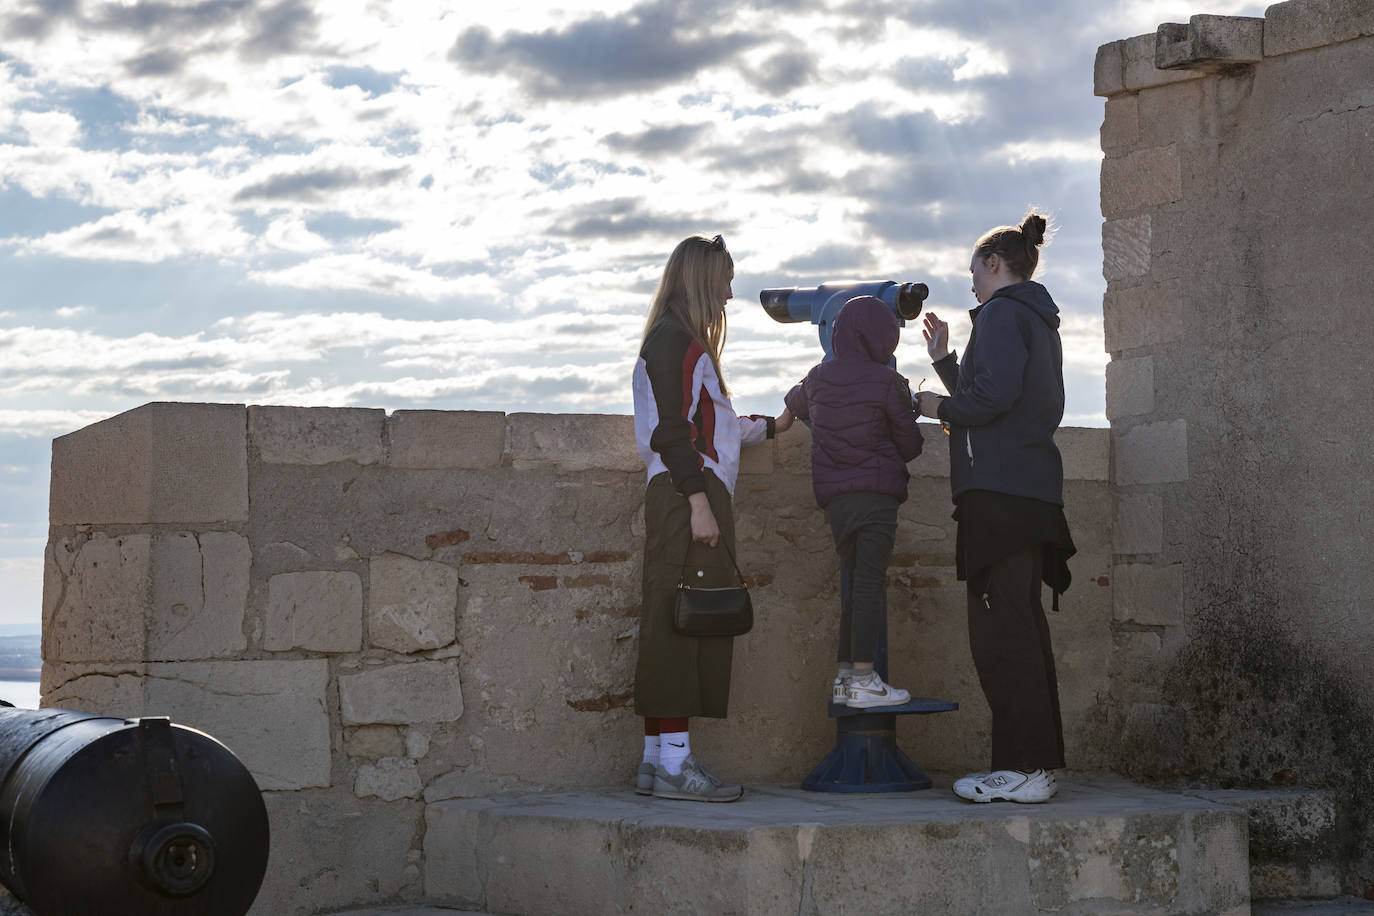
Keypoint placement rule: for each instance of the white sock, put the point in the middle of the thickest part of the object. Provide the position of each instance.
(673, 750)
(651, 749)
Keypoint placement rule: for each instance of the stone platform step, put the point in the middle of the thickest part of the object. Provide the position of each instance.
(1101, 846)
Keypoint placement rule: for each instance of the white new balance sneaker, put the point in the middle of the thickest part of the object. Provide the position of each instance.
(1008, 785)
(868, 690)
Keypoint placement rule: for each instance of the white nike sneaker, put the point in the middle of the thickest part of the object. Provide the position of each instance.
(868, 690)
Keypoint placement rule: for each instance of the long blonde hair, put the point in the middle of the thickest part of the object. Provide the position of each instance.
(690, 288)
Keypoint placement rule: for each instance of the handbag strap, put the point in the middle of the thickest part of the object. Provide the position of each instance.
(682, 579)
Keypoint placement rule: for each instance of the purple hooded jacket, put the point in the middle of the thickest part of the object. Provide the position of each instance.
(863, 424)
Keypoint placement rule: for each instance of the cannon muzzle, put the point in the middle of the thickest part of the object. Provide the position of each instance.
(126, 816)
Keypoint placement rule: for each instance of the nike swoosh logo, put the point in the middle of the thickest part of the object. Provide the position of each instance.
(671, 744)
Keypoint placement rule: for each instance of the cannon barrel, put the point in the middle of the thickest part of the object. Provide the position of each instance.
(126, 816)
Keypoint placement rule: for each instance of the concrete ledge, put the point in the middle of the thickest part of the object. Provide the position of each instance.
(1129, 65)
(317, 435)
(447, 438)
(573, 442)
(1100, 847)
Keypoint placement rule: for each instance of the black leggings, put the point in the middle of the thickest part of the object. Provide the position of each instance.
(1010, 639)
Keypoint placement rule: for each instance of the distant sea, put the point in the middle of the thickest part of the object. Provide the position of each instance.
(23, 694)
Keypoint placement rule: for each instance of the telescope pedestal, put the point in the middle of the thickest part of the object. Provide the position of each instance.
(866, 757)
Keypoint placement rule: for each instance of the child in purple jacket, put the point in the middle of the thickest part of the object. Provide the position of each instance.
(863, 432)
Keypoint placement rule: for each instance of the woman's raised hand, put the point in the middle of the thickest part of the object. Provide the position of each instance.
(936, 333)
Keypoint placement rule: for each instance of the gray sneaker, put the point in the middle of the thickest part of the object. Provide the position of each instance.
(694, 783)
(644, 779)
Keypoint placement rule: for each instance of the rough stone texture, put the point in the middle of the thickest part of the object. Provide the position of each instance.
(1086, 453)
(389, 779)
(199, 592)
(1299, 25)
(573, 442)
(1139, 523)
(1209, 42)
(1139, 180)
(1142, 316)
(316, 435)
(1148, 595)
(417, 692)
(173, 463)
(1151, 453)
(1129, 65)
(1266, 671)
(320, 611)
(412, 605)
(446, 438)
(374, 741)
(331, 850)
(1130, 387)
(1126, 248)
(1100, 848)
(95, 593)
(1121, 122)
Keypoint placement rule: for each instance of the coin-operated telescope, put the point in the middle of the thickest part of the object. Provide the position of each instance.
(820, 304)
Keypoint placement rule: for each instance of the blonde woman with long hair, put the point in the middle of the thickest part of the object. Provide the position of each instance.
(689, 437)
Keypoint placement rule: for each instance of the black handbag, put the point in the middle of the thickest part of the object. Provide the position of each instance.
(714, 611)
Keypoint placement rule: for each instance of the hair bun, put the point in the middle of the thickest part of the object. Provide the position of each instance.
(1033, 229)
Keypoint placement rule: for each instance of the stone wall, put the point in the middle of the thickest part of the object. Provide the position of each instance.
(1237, 188)
(381, 612)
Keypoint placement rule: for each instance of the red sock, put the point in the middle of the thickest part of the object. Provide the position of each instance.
(672, 725)
(651, 726)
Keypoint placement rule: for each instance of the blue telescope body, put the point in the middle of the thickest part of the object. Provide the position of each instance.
(820, 304)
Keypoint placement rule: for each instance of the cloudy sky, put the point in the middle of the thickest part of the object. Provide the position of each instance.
(460, 205)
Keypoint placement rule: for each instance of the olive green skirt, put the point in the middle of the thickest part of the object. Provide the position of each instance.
(681, 675)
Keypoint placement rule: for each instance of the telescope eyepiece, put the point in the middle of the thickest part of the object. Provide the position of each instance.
(911, 298)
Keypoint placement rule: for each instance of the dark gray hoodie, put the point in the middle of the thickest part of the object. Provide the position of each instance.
(1007, 397)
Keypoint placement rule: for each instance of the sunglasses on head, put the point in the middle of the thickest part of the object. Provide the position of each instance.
(718, 243)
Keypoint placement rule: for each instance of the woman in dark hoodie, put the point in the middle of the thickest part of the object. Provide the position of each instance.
(863, 432)
(1006, 400)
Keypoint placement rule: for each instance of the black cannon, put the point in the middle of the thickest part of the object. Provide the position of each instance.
(126, 817)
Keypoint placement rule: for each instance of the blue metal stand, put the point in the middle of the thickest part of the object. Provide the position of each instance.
(866, 757)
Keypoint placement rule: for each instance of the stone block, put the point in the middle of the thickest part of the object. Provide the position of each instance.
(402, 694)
(319, 611)
(270, 713)
(1109, 69)
(757, 458)
(1085, 452)
(1209, 43)
(1138, 65)
(412, 604)
(375, 741)
(96, 593)
(1140, 180)
(389, 779)
(573, 442)
(452, 854)
(1301, 24)
(1130, 387)
(1151, 453)
(934, 458)
(333, 852)
(793, 450)
(446, 438)
(1142, 316)
(316, 435)
(1138, 526)
(1148, 595)
(159, 463)
(1126, 248)
(1120, 122)
(200, 591)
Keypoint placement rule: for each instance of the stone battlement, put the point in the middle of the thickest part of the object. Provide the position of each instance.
(382, 611)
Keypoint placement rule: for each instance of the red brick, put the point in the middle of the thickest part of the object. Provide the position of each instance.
(446, 538)
(540, 583)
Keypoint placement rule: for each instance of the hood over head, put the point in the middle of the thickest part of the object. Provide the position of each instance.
(865, 329)
(1033, 296)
